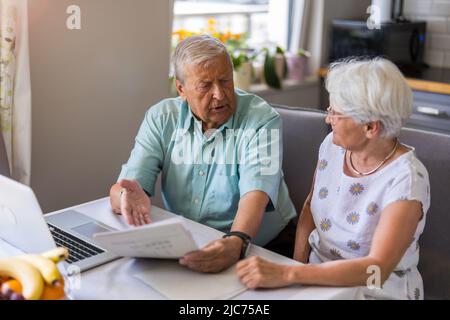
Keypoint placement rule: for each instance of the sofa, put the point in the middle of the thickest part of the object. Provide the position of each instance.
(303, 131)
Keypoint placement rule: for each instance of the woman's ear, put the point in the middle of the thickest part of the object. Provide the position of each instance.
(373, 129)
(180, 89)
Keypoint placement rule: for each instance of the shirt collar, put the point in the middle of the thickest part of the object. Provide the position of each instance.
(186, 113)
(189, 119)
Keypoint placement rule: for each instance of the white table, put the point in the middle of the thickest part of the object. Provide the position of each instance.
(115, 280)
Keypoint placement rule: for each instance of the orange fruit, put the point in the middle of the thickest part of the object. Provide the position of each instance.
(54, 291)
(11, 286)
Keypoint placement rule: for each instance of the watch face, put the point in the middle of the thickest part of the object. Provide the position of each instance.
(245, 249)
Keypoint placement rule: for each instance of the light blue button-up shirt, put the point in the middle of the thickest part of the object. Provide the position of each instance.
(204, 175)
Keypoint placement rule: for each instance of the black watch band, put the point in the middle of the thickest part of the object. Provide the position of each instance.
(246, 239)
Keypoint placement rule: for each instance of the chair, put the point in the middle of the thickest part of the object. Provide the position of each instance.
(433, 149)
(303, 131)
(4, 166)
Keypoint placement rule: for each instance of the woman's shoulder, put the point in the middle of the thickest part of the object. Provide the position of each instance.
(327, 147)
(409, 164)
(409, 180)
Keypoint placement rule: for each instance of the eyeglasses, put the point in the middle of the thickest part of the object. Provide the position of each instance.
(332, 116)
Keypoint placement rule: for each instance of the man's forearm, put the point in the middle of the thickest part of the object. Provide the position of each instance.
(250, 212)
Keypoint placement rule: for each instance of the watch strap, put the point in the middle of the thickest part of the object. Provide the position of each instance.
(246, 239)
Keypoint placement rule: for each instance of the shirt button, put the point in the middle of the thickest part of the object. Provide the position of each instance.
(202, 173)
(196, 201)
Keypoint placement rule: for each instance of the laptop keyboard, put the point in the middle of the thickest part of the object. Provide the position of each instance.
(78, 249)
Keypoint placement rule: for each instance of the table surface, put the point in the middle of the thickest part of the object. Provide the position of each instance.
(115, 280)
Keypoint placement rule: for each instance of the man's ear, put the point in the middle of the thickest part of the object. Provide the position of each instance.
(373, 129)
(180, 89)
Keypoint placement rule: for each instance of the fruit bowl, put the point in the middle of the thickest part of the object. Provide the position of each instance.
(33, 276)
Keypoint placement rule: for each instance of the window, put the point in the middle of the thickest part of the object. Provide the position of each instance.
(251, 29)
(246, 17)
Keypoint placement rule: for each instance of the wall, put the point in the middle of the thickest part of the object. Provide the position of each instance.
(90, 89)
(437, 15)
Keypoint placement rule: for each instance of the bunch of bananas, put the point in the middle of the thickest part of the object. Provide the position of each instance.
(33, 276)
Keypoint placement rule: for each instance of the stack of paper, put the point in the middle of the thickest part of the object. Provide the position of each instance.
(166, 239)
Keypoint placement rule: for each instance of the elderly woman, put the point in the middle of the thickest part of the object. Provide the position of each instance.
(361, 223)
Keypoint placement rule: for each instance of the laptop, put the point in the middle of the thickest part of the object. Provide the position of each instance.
(23, 225)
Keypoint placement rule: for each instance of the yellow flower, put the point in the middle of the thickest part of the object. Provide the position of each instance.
(211, 21)
(211, 29)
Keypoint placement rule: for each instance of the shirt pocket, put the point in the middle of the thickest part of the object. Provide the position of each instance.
(224, 196)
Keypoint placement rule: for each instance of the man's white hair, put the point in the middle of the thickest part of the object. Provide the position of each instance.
(370, 90)
(197, 50)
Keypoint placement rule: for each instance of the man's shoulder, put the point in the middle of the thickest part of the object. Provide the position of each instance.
(165, 107)
(254, 109)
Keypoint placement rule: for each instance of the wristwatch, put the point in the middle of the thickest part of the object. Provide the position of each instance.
(246, 239)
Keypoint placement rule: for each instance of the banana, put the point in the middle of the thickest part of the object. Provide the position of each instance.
(47, 267)
(29, 277)
(56, 255)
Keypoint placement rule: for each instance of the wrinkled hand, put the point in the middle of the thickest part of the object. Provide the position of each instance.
(215, 257)
(255, 272)
(134, 203)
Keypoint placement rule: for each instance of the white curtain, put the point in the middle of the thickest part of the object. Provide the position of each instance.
(15, 89)
(301, 11)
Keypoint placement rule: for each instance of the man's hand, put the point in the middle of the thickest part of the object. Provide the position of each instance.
(134, 203)
(215, 257)
(256, 272)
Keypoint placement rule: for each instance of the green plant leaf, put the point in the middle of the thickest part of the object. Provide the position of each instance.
(270, 74)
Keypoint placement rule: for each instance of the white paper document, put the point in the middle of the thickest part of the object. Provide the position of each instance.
(166, 239)
(177, 282)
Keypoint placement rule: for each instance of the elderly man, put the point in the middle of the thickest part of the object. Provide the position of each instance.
(220, 154)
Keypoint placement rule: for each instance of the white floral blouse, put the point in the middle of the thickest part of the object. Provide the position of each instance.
(346, 211)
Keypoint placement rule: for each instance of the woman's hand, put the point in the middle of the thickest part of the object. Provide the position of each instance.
(256, 272)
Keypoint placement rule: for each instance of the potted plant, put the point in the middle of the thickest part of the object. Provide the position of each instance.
(275, 67)
(297, 63)
(242, 68)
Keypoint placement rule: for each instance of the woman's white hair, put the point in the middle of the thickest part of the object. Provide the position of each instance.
(197, 50)
(370, 90)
